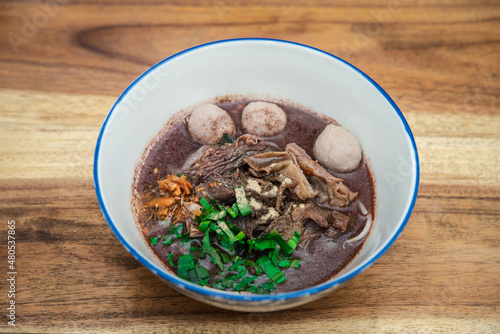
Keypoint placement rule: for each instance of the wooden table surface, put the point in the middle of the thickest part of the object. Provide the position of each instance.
(62, 66)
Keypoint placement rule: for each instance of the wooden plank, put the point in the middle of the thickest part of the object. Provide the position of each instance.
(71, 267)
(437, 60)
(63, 129)
(415, 42)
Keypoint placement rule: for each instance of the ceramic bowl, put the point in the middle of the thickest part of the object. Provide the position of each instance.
(267, 69)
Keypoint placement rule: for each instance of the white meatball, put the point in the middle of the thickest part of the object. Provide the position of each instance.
(337, 149)
(263, 119)
(208, 123)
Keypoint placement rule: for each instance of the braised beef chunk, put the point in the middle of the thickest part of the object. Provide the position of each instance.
(310, 233)
(218, 187)
(280, 167)
(211, 160)
(321, 216)
(310, 211)
(339, 220)
(331, 189)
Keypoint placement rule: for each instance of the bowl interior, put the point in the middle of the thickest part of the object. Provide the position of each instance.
(264, 69)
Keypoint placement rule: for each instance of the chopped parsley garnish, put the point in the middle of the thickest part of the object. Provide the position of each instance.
(239, 260)
(226, 139)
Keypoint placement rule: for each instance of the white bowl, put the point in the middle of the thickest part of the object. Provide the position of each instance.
(267, 69)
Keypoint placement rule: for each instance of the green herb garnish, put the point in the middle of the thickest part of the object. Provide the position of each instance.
(226, 139)
(273, 272)
(171, 261)
(233, 210)
(224, 243)
(184, 265)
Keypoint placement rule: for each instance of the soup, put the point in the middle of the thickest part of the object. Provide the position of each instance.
(255, 196)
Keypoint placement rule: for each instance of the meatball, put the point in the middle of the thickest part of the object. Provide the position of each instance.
(263, 119)
(208, 123)
(337, 149)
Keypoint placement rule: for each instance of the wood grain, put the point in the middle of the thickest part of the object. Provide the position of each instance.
(437, 59)
(444, 268)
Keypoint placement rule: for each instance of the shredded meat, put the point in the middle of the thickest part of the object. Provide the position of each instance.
(281, 167)
(211, 160)
(310, 211)
(311, 232)
(290, 168)
(322, 217)
(330, 188)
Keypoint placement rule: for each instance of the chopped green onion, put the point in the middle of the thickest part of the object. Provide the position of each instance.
(264, 244)
(245, 282)
(211, 251)
(237, 262)
(233, 210)
(204, 225)
(225, 257)
(242, 272)
(273, 272)
(250, 263)
(268, 286)
(202, 272)
(284, 263)
(250, 243)
(294, 263)
(204, 281)
(274, 256)
(215, 257)
(242, 202)
(185, 238)
(227, 246)
(197, 252)
(192, 277)
(217, 215)
(226, 282)
(287, 247)
(226, 230)
(294, 241)
(184, 264)
(171, 261)
(226, 139)
(206, 205)
(153, 241)
(239, 236)
(176, 230)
